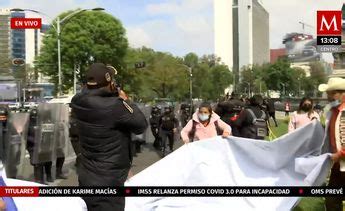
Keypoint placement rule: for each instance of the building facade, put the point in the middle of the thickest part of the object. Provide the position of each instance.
(19, 43)
(18, 38)
(275, 54)
(5, 40)
(260, 34)
(246, 38)
(223, 28)
(33, 40)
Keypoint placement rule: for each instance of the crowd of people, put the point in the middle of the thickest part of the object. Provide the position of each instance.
(249, 118)
(104, 119)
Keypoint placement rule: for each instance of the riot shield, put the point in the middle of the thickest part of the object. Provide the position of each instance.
(62, 133)
(2, 146)
(44, 148)
(15, 144)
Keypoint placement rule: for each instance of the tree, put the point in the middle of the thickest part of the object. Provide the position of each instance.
(221, 78)
(191, 60)
(210, 78)
(300, 81)
(168, 76)
(92, 37)
(317, 76)
(247, 79)
(163, 76)
(5, 66)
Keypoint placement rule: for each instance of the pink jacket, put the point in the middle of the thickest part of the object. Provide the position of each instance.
(202, 132)
(299, 120)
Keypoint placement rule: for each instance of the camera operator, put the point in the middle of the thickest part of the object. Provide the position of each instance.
(105, 120)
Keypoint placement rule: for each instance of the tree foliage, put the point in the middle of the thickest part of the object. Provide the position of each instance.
(166, 76)
(280, 76)
(98, 37)
(87, 38)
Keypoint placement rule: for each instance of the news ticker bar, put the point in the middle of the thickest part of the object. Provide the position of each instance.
(69, 191)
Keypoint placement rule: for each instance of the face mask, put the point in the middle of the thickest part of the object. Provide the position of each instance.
(334, 103)
(203, 117)
(306, 107)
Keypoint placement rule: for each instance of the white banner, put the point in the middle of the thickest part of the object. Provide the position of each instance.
(291, 160)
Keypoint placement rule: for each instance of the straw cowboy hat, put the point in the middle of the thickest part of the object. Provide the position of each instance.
(335, 83)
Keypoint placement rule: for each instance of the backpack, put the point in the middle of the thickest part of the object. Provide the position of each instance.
(259, 125)
(191, 133)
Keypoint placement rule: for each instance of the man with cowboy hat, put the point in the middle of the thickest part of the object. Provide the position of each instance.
(335, 136)
(105, 120)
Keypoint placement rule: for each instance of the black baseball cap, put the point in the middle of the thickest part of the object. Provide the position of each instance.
(99, 75)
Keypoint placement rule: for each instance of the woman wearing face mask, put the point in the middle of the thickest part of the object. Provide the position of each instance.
(304, 115)
(204, 124)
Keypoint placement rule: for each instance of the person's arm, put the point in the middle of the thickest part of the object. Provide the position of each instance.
(340, 154)
(160, 121)
(241, 119)
(316, 115)
(186, 130)
(176, 123)
(2, 205)
(225, 127)
(292, 124)
(129, 116)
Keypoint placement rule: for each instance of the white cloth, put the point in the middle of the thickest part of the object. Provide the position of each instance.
(291, 160)
(43, 203)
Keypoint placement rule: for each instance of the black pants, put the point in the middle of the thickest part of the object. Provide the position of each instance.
(273, 115)
(167, 134)
(337, 179)
(46, 167)
(287, 113)
(76, 147)
(39, 170)
(155, 134)
(87, 178)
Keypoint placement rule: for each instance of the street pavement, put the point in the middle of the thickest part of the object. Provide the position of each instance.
(147, 157)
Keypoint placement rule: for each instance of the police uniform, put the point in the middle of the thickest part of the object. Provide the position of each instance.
(167, 123)
(154, 124)
(185, 114)
(105, 123)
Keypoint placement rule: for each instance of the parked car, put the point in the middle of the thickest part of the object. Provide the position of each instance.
(309, 51)
(14, 106)
(30, 105)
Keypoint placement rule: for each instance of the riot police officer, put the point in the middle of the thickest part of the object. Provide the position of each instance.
(42, 167)
(154, 123)
(229, 111)
(3, 121)
(185, 114)
(168, 125)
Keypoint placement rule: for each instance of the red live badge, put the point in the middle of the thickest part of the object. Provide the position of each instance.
(26, 23)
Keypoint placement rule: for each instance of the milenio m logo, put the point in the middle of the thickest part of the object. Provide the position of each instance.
(329, 30)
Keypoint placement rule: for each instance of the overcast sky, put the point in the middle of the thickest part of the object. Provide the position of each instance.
(182, 26)
(285, 16)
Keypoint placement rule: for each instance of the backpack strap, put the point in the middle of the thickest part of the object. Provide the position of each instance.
(191, 133)
(263, 116)
(218, 129)
(252, 114)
